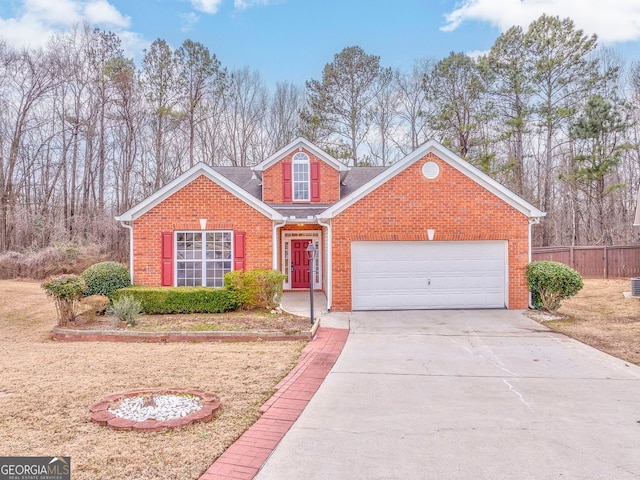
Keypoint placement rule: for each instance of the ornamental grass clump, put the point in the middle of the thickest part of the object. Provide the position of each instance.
(552, 282)
(66, 290)
(126, 309)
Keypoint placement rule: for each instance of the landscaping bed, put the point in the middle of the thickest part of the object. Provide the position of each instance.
(230, 326)
(241, 321)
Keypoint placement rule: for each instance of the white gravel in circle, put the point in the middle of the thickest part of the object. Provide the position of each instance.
(156, 407)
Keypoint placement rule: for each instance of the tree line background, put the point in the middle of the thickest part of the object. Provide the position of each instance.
(85, 133)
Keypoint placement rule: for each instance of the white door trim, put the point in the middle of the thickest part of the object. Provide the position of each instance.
(285, 249)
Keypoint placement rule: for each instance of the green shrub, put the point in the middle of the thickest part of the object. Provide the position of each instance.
(105, 277)
(234, 281)
(161, 300)
(256, 288)
(552, 282)
(66, 290)
(126, 309)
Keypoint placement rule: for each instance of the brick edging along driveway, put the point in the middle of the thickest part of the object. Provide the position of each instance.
(243, 459)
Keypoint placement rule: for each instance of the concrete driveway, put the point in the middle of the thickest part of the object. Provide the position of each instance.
(465, 395)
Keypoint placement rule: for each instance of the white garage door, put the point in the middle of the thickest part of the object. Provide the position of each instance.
(428, 275)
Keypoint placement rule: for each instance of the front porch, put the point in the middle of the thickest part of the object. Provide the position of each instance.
(297, 303)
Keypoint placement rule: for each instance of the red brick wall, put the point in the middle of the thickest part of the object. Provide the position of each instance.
(404, 208)
(183, 210)
(272, 181)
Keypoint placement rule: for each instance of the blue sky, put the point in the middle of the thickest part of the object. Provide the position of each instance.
(291, 40)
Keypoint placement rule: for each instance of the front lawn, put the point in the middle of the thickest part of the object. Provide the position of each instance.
(600, 316)
(46, 388)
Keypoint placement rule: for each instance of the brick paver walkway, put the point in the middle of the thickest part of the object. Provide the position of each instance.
(243, 459)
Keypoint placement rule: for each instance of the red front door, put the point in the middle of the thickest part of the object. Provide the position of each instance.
(299, 264)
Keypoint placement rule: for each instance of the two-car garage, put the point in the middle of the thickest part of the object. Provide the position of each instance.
(404, 275)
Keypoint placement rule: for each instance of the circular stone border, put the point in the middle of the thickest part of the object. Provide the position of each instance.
(101, 415)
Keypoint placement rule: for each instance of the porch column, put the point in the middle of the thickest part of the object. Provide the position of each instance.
(328, 274)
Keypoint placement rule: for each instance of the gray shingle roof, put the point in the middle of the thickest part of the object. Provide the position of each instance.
(357, 177)
(243, 177)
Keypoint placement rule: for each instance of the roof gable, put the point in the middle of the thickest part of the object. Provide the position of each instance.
(298, 143)
(187, 177)
(450, 158)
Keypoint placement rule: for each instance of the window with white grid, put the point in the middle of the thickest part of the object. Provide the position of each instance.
(300, 169)
(202, 258)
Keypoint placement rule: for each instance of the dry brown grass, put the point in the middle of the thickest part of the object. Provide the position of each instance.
(47, 387)
(600, 316)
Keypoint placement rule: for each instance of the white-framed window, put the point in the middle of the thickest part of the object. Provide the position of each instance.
(202, 258)
(300, 169)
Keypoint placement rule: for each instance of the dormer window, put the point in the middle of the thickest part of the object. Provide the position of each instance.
(300, 170)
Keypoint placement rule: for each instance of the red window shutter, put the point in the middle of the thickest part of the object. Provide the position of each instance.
(239, 250)
(167, 259)
(315, 182)
(286, 182)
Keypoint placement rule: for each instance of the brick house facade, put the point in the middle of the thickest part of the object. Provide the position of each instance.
(430, 231)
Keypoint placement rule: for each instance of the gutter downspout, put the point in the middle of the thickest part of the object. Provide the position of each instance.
(329, 275)
(130, 228)
(532, 221)
(276, 245)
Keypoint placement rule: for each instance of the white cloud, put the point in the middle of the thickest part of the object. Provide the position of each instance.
(64, 12)
(476, 54)
(188, 20)
(102, 12)
(244, 4)
(206, 6)
(133, 43)
(35, 21)
(24, 32)
(617, 21)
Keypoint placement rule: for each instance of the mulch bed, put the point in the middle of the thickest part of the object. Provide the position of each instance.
(242, 321)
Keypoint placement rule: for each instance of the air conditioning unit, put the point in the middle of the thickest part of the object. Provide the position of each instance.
(635, 287)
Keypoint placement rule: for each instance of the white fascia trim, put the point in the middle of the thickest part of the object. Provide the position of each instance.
(188, 177)
(452, 159)
(636, 220)
(298, 142)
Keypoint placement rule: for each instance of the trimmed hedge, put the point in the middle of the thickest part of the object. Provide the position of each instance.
(161, 300)
(105, 277)
(256, 288)
(552, 282)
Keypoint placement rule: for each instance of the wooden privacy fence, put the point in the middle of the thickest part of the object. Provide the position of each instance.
(595, 262)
